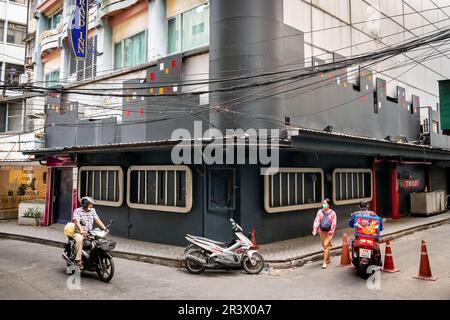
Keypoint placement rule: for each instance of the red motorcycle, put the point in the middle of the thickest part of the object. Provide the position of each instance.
(366, 253)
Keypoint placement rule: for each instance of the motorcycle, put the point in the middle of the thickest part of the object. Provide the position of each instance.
(365, 247)
(203, 253)
(96, 253)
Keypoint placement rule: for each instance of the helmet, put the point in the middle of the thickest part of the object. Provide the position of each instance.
(69, 229)
(363, 204)
(85, 201)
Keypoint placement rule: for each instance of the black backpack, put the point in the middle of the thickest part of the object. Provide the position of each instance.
(325, 223)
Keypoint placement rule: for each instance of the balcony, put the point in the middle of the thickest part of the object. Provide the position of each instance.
(47, 5)
(114, 7)
(51, 39)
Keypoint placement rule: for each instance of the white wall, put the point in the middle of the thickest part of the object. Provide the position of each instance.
(358, 33)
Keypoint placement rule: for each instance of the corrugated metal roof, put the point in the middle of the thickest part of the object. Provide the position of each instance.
(367, 139)
(136, 145)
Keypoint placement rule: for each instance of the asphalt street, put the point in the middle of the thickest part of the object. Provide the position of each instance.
(33, 271)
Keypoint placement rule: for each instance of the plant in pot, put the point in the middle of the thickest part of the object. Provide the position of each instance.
(31, 216)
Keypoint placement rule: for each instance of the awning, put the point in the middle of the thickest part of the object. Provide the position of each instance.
(140, 146)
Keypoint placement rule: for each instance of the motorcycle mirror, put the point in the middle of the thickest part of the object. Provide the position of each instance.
(231, 220)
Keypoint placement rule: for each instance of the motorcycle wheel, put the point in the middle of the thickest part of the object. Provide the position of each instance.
(192, 266)
(256, 267)
(363, 272)
(107, 272)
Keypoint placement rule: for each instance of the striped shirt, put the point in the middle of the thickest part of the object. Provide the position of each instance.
(88, 217)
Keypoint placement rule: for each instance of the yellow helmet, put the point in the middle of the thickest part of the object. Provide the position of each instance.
(69, 229)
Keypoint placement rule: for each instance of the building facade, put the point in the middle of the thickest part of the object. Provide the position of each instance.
(367, 131)
(21, 177)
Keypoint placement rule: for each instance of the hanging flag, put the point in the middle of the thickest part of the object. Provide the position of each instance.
(79, 28)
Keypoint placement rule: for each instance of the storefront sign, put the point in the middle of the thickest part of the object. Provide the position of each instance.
(79, 28)
(60, 161)
(410, 183)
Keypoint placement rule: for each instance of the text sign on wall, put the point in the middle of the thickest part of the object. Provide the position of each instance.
(79, 27)
(411, 183)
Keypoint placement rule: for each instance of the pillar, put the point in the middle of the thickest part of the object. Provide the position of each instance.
(157, 30)
(395, 212)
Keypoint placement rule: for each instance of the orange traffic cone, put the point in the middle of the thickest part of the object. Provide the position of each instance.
(253, 239)
(388, 265)
(345, 255)
(424, 268)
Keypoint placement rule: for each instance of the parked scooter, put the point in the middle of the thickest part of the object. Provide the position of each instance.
(365, 247)
(96, 253)
(203, 253)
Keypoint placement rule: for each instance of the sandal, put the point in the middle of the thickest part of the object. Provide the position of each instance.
(79, 264)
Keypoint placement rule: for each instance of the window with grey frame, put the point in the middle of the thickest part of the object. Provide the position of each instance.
(104, 184)
(131, 51)
(11, 117)
(3, 115)
(351, 185)
(13, 72)
(293, 189)
(2, 30)
(16, 33)
(189, 29)
(54, 20)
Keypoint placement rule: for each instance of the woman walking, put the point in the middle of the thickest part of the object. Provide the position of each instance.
(325, 224)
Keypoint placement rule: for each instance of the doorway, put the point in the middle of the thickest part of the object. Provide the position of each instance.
(222, 203)
(62, 195)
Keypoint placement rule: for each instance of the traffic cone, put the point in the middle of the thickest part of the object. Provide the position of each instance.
(424, 268)
(345, 255)
(253, 239)
(388, 265)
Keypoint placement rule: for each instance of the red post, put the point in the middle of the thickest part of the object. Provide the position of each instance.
(374, 187)
(395, 214)
(48, 197)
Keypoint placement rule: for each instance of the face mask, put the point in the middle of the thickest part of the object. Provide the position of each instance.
(325, 206)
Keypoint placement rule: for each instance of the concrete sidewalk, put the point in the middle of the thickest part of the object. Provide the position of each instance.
(282, 254)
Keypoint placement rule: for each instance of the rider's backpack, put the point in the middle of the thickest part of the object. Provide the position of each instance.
(325, 223)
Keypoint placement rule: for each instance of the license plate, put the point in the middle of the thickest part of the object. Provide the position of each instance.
(364, 253)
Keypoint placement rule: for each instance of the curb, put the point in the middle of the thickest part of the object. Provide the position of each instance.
(170, 262)
(19, 237)
(336, 251)
(275, 264)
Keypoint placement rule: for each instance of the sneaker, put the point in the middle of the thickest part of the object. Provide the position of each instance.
(324, 266)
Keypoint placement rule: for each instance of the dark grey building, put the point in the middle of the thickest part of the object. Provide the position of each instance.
(343, 140)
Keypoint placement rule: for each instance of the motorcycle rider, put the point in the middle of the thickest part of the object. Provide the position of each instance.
(364, 210)
(88, 215)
